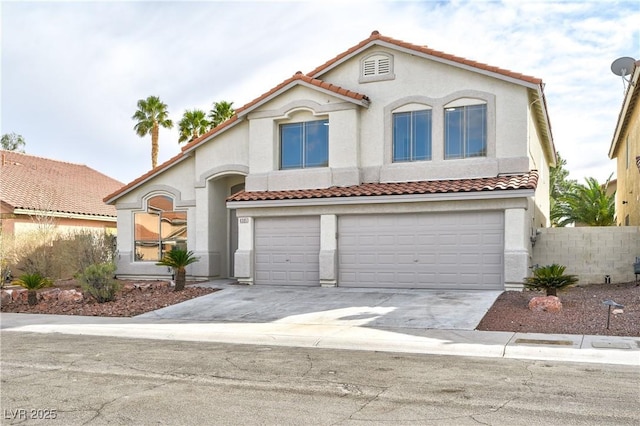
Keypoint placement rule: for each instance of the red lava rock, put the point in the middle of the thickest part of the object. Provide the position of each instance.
(545, 304)
(133, 299)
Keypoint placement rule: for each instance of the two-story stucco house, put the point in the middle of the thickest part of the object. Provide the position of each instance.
(390, 165)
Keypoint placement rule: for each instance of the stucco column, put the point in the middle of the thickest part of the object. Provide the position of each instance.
(516, 248)
(328, 250)
(243, 257)
(197, 230)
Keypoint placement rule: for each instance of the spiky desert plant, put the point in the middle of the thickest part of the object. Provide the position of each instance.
(550, 278)
(178, 260)
(33, 282)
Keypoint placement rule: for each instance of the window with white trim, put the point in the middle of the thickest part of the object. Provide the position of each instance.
(465, 129)
(304, 145)
(412, 135)
(159, 229)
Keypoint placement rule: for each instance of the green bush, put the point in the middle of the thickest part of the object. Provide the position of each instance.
(98, 280)
(550, 278)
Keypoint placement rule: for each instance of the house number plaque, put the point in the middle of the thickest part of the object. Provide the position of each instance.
(243, 220)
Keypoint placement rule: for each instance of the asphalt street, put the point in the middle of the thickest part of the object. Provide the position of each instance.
(95, 380)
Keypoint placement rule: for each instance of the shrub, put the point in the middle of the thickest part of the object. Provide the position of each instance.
(178, 260)
(98, 280)
(33, 282)
(550, 278)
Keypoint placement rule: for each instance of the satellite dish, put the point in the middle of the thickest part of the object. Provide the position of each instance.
(623, 66)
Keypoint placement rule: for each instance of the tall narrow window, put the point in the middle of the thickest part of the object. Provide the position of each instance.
(304, 145)
(159, 229)
(465, 131)
(412, 136)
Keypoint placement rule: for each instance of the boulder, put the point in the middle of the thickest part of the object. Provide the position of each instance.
(5, 297)
(49, 295)
(70, 296)
(19, 295)
(545, 304)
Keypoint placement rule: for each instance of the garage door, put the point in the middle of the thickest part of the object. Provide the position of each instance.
(425, 250)
(287, 250)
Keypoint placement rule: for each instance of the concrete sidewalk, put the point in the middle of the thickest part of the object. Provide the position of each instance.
(413, 321)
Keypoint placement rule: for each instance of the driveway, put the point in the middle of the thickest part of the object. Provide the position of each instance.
(377, 308)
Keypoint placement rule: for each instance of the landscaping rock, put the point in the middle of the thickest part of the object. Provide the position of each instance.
(545, 304)
(5, 297)
(73, 296)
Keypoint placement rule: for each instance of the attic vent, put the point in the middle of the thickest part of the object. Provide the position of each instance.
(377, 67)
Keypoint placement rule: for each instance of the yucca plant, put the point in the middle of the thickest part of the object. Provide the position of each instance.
(178, 260)
(33, 282)
(550, 278)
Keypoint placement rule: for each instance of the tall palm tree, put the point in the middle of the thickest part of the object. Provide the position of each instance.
(193, 124)
(589, 205)
(150, 116)
(221, 112)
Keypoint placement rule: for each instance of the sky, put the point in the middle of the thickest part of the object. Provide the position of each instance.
(72, 72)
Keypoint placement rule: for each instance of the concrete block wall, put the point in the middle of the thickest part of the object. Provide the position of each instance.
(590, 252)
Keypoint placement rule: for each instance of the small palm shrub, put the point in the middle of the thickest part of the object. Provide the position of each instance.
(550, 278)
(33, 282)
(178, 260)
(98, 280)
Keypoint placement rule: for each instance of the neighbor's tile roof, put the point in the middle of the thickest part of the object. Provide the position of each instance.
(521, 181)
(35, 183)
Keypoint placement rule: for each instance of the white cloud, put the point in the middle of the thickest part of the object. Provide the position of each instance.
(72, 72)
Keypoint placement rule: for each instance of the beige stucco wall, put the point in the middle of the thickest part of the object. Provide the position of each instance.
(590, 252)
(628, 174)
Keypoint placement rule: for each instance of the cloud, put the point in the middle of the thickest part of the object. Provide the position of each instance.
(72, 72)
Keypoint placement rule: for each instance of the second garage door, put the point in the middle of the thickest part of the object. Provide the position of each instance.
(287, 250)
(423, 250)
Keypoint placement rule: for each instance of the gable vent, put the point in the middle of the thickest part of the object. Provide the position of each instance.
(377, 67)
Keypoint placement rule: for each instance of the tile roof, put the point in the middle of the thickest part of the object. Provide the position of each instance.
(311, 79)
(375, 35)
(499, 183)
(35, 183)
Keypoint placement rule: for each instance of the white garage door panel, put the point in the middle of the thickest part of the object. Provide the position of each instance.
(425, 250)
(287, 251)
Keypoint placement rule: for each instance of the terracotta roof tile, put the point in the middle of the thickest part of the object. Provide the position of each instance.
(36, 183)
(499, 183)
(375, 35)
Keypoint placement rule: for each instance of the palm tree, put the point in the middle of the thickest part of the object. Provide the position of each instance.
(33, 282)
(178, 260)
(193, 124)
(589, 205)
(151, 114)
(221, 112)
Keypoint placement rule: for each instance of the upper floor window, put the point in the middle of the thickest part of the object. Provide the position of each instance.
(159, 229)
(378, 66)
(465, 130)
(304, 145)
(412, 136)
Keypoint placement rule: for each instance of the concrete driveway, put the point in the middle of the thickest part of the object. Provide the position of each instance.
(376, 308)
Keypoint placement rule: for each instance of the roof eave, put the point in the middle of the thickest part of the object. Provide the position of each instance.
(632, 93)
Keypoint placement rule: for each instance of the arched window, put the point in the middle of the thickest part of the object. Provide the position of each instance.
(465, 129)
(159, 229)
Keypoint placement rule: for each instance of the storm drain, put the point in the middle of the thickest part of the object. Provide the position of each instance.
(544, 342)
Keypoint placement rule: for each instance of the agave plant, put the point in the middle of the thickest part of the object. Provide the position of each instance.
(33, 282)
(550, 278)
(178, 260)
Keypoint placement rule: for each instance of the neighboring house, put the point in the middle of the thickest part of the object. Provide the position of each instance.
(625, 148)
(390, 165)
(37, 192)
